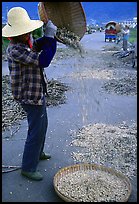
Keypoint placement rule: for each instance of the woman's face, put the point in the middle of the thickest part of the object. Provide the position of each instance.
(24, 38)
(21, 38)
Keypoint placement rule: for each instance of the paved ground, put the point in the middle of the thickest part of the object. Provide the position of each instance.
(62, 119)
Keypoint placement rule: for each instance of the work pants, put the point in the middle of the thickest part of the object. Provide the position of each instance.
(37, 128)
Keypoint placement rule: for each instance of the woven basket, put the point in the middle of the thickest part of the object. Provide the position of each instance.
(69, 15)
(85, 167)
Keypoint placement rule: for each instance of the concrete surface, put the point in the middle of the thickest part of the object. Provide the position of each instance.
(62, 120)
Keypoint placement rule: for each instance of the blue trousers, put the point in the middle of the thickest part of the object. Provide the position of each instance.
(37, 128)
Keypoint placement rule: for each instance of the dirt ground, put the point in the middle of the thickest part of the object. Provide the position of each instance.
(102, 91)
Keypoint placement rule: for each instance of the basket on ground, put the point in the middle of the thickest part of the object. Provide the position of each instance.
(78, 183)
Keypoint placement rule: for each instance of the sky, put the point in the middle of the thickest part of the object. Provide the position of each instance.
(31, 8)
(93, 10)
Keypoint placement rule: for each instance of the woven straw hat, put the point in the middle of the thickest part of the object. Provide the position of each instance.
(19, 23)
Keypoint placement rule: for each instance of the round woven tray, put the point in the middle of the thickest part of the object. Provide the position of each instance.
(85, 167)
(69, 15)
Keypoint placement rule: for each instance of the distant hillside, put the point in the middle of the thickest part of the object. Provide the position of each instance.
(106, 11)
(98, 11)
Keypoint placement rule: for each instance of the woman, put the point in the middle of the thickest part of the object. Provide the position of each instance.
(26, 61)
(126, 33)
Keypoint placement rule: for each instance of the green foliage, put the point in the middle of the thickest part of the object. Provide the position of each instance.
(133, 35)
(5, 43)
(37, 33)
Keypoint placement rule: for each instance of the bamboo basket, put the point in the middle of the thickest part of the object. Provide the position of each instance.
(65, 14)
(85, 167)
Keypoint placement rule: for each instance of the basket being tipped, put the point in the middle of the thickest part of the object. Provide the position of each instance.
(69, 18)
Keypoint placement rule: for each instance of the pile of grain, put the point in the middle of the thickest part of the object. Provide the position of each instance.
(93, 186)
(12, 112)
(108, 145)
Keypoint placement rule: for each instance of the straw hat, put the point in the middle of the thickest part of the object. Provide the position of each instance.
(19, 23)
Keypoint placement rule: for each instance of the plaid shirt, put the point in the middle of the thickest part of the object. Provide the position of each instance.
(26, 75)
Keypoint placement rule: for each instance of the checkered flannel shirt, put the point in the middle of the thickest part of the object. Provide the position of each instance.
(26, 74)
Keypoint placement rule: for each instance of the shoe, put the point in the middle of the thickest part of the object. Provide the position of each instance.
(44, 156)
(36, 176)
